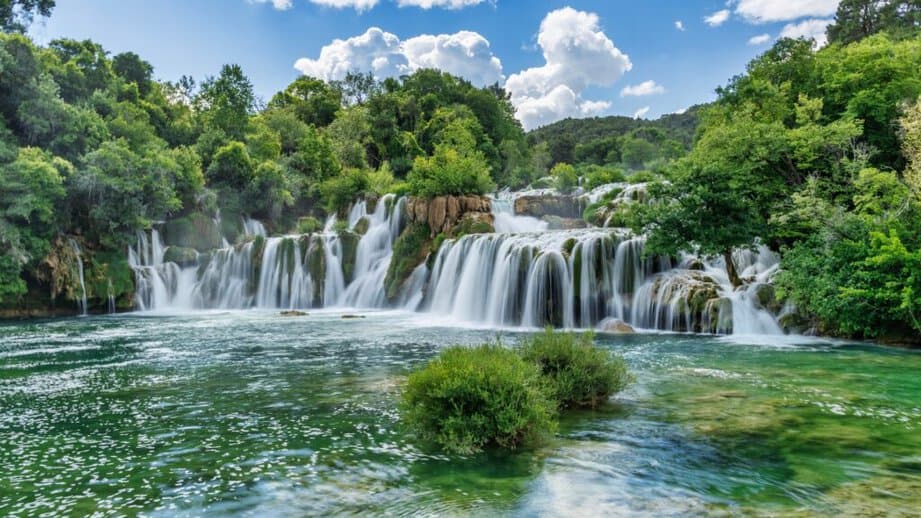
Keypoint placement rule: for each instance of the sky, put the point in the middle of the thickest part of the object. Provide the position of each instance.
(557, 59)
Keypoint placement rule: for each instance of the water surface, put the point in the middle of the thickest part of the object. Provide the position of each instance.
(251, 413)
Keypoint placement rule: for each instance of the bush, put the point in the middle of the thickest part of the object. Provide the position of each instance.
(339, 191)
(308, 225)
(470, 398)
(565, 177)
(580, 374)
(595, 176)
(450, 172)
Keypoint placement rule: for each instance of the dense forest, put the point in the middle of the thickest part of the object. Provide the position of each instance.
(815, 153)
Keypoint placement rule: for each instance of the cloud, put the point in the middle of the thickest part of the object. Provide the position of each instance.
(809, 29)
(281, 5)
(577, 54)
(718, 18)
(358, 5)
(760, 39)
(765, 11)
(679, 25)
(465, 54)
(645, 88)
(445, 4)
(641, 112)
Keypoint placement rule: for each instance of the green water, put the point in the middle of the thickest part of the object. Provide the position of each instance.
(254, 414)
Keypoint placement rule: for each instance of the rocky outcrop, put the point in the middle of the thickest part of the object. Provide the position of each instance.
(558, 223)
(447, 214)
(549, 205)
(195, 230)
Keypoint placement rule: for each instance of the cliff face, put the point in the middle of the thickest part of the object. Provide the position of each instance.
(451, 215)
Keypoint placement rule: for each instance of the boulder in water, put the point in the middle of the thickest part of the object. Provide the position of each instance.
(549, 205)
(617, 326)
(352, 317)
(293, 313)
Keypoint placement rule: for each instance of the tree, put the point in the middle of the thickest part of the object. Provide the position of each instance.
(130, 67)
(859, 19)
(357, 88)
(565, 177)
(911, 147)
(16, 15)
(313, 101)
(231, 167)
(456, 167)
(227, 101)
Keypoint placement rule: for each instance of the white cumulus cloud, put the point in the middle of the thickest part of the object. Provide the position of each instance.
(718, 18)
(679, 25)
(765, 11)
(641, 112)
(645, 88)
(809, 29)
(577, 54)
(445, 4)
(760, 39)
(465, 54)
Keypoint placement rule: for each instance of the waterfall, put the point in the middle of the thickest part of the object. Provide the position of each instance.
(522, 275)
(507, 222)
(286, 272)
(82, 302)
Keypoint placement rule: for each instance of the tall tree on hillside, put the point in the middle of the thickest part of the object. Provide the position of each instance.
(227, 101)
(858, 19)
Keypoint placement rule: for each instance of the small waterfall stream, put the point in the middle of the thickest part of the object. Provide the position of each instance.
(82, 304)
(521, 275)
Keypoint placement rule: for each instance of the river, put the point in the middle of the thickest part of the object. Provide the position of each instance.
(251, 413)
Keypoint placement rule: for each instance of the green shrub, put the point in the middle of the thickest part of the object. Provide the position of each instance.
(308, 225)
(470, 398)
(580, 374)
(409, 251)
(339, 191)
(450, 172)
(596, 175)
(642, 177)
(565, 177)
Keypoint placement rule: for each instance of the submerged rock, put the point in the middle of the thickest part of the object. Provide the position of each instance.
(293, 313)
(352, 317)
(181, 256)
(617, 326)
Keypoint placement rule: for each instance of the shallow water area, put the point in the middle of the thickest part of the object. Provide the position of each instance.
(250, 412)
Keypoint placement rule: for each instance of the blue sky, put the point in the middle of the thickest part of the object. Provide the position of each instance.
(559, 58)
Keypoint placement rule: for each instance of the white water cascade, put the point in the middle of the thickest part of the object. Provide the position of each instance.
(82, 304)
(521, 275)
(286, 272)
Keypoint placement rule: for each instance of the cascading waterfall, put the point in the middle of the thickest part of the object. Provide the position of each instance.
(522, 275)
(82, 302)
(287, 272)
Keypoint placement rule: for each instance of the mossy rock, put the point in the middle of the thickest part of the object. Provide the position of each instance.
(349, 253)
(409, 251)
(361, 228)
(316, 266)
(195, 230)
(473, 223)
(181, 256)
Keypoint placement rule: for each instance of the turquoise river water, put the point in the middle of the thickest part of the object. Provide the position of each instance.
(250, 413)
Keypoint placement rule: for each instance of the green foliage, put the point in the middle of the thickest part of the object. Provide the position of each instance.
(580, 374)
(225, 102)
(409, 251)
(454, 168)
(339, 191)
(596, 176)
(16, 15)
(565, 178)
(231, 167)
(311, 100)
(308, 225)
(467, 399)
(858, 19)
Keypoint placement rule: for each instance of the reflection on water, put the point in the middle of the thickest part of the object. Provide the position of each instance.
(252, 413)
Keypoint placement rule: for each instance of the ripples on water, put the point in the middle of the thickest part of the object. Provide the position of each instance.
(251, 413)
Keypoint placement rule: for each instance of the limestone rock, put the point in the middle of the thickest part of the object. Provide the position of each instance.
(549, 205)
(617, 326)
(293, 313)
